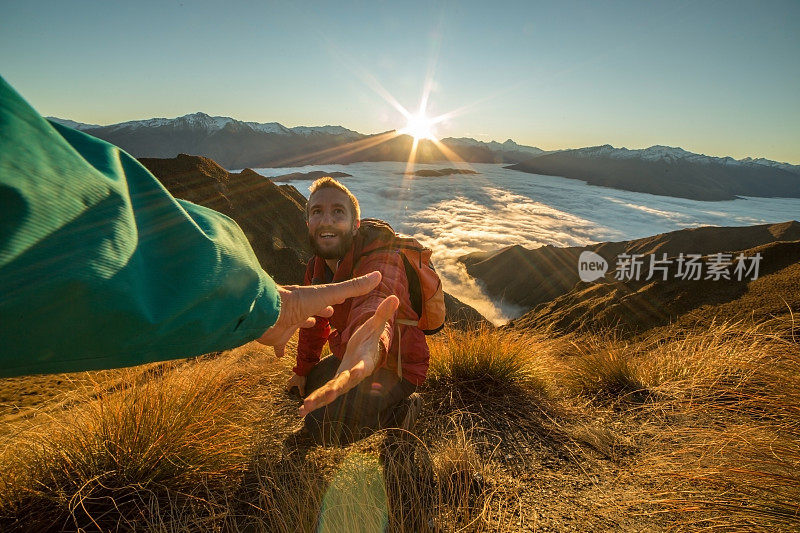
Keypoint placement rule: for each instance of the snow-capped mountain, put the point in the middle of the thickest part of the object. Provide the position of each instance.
(212, 124)
(232, 143)
(74, 125)
(669, 171)
(672, 154)
(236, 144)
(761, 161)
(269, 127)
(327, 130)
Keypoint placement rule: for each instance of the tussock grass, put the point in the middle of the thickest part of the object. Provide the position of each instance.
(605, 372)
(117, 457)
(458, 464)
(488, 364)
(690, 430)
(733, 457)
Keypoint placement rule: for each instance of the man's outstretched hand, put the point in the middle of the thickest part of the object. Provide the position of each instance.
(300, 304)
(359, 361)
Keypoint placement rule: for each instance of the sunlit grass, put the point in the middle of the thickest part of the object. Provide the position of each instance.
(487, 363)
(178, 437)
(691, 430)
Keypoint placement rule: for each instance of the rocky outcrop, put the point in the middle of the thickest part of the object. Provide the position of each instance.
(546, 281)
(527, 278)
(462, 316)
(434, 173)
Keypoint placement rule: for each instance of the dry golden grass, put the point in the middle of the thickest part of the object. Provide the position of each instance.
(677, 430)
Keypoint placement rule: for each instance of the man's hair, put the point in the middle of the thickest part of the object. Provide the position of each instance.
(331, 183)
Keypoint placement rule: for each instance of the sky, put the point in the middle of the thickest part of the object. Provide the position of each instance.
(713, 77)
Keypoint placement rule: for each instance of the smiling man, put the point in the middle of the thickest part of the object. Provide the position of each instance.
(382, 378)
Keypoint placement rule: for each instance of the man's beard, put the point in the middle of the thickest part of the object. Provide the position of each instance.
(345, 242)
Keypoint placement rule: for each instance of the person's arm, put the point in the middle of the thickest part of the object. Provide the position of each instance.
(309, 345)
(100, 267)
(359, 360)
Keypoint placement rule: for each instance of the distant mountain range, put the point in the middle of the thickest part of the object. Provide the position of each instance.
(236, 144)
(668, 171)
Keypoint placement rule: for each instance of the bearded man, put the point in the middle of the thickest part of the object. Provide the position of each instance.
(381, 378)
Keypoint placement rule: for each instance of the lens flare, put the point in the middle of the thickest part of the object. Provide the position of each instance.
(420, 127)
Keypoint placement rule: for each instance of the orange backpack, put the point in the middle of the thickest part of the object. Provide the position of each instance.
(424, 285)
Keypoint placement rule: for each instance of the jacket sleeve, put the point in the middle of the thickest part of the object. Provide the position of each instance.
(100, 267)
(393, 281)
(311, 340)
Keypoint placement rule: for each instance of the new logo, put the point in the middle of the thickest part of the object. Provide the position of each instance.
(591, 266)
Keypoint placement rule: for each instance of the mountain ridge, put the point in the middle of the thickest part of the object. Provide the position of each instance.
(669, 171)
(216, 123)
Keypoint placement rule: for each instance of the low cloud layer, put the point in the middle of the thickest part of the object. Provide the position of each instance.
(460, 214)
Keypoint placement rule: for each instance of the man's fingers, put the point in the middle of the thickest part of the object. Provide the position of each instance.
(336, 293)
(323, 395)
(375, 324)
(279, 350)
(387, 308)
(341, 384)
(347, 378)
(310, 321)
(326, 394)
(326, 313)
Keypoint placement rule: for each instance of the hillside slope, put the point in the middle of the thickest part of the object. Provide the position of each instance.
(527, 278)
(635, 306)
(271, 216)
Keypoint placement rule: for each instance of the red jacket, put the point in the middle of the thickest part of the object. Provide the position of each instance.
(349, 315)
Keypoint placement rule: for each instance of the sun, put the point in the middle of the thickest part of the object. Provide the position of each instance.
(420, 127)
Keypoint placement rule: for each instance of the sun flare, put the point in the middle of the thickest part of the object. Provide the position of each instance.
(420, 127)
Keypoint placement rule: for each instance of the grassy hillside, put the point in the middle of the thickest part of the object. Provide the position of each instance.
(631, 307)
(680, 430)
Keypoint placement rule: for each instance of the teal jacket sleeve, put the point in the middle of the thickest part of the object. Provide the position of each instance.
(100, 267)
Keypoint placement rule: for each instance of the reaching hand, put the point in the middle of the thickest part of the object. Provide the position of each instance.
(359, 361)
(300, 304)
(297, 381)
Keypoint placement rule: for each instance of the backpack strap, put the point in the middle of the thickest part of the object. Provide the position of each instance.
(414, 287)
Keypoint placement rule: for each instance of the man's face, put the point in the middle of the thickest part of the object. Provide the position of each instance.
(330, 223)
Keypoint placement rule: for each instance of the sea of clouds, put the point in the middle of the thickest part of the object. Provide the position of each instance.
(459, 214)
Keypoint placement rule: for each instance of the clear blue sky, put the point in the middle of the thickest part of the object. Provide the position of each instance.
(720, 78)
